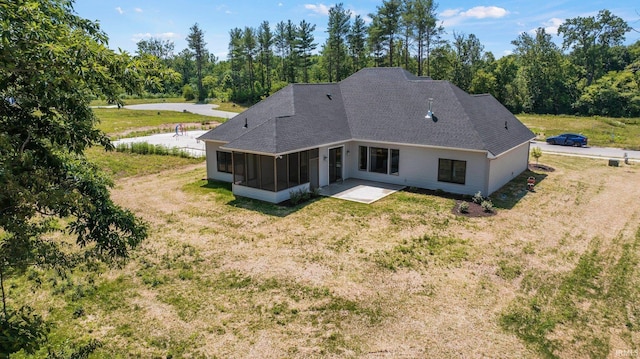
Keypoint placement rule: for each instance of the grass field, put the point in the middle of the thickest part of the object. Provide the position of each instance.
(553, 274)
(601, 131)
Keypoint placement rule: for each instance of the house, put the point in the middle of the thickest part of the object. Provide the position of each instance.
(380, 124)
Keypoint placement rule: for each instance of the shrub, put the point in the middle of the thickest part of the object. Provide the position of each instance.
(487, 205)
(478, 198)
(188, 93)
(536, 153)
(463, 207)
(296, 196)
(301, 195)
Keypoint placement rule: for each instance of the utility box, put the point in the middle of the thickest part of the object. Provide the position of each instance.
(614, 162)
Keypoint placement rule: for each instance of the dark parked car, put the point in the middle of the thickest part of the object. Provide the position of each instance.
(568, 139)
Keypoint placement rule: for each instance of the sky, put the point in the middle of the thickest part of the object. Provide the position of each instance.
(494, 22)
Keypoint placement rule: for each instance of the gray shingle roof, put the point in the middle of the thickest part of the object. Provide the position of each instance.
(375, 104)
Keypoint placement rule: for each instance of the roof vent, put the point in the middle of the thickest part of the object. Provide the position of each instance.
(246, 125)
(429, 113)
(506, 127)
(329, 96)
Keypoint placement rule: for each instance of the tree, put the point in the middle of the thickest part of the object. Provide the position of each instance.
(546, 84)
(358, 44)
(422, 16)
(591, 39)
(265, 42)
(536, 153)
(335, 48)
(53, 62)
(249, 49)
(162, 49)
(468, 51)
(305, 45)
(196, 43)
(388, 17)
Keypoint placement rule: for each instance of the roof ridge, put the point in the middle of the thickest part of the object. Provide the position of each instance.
(460, 94)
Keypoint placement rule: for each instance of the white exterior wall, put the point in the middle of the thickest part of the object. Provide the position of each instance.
(506, 167)
(212, 165)
(267, 196)
(418, 167)
(323, 171)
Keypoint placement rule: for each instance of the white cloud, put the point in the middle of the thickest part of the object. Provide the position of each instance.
(320, 9)
(551, 25)
(138, 9)
(478, 12)
(450, 12)
(481, 12)
(119, 10)
(280, 4)
(453, 17)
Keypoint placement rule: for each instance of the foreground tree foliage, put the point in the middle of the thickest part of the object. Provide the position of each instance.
(52, 63)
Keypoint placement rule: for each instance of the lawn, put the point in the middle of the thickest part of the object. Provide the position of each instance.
(123, 122)
(601, 131)
(553, 274)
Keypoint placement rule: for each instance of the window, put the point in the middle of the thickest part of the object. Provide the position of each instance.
(267, 172)
(362, 159)
(452, 171)
(379, 160)
(224, 161)
(395, 162)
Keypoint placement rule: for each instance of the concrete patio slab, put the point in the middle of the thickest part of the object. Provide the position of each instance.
(187, 142)
(358, 190)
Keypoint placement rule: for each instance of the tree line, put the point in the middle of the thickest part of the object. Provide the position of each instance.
(591, 73)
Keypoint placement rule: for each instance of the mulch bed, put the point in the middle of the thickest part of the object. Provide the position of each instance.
(475, 210)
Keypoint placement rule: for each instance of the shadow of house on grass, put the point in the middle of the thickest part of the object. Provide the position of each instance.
(223, 190)
(516, 189)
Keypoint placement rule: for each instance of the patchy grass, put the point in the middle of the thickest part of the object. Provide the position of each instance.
(121, 164)
(417, 253)
(553, 274)
(137, 101)
(602, 131)
(114, 121)
(575, 314)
